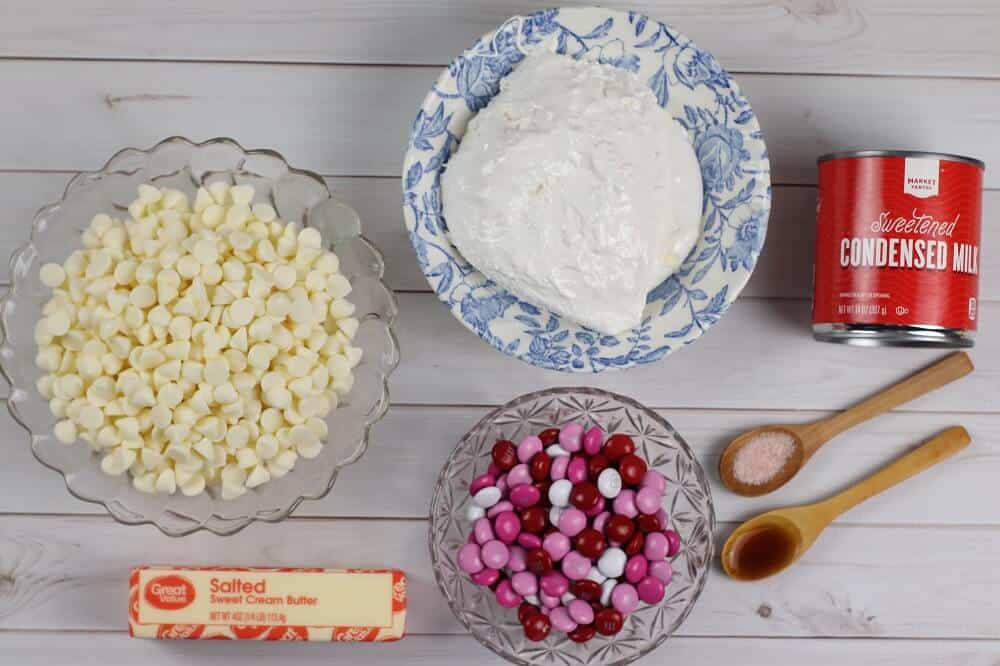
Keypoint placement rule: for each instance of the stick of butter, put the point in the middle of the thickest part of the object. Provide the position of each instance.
(270, 604)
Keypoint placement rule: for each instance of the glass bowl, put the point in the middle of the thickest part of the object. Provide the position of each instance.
(297, 196)
(688, 502)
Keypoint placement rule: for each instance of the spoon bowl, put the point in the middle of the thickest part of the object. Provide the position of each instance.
(765, 545)
(790, 468)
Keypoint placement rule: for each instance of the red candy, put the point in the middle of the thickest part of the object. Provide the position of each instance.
(550, 436)
(648, 522)
(619, 529)
(582, 633)
(538, 561)
(534, 520)
(587, 590)
(591, 543)
(635, 544)
(585, 496)
(504, 455)
(540, 466)
(537, 627)
(597, 464)
(619, 446)
(525, 611)
(632, 469)
(608, 622)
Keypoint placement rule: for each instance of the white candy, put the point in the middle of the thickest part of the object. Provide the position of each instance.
(595, 575)
(554, 513)
(486, 497)
(474, 512)
(555, 451)
(567, 597)
(609, 483)
(532, 599)
(197, 346)
(607, 587)
(612, 562)
(559, 492)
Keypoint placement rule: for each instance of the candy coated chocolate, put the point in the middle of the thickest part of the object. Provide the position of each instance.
(538, 562)
(504, 455)
(593, 439)
(632, 468)
(533, 520)
(618, 446)
(571, 437)
(590, 542)
(587, 590)
(540, 466)
(537, 627)
(549, 436)
(608, 622)
(619, 529)
(585, 496)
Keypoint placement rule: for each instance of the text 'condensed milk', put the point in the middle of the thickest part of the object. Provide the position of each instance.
(897, 249)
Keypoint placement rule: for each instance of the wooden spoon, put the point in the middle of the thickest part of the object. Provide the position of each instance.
(769, 543)
(809, 437)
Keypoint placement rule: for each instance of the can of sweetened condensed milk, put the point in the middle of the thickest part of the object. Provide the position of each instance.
(897, 249)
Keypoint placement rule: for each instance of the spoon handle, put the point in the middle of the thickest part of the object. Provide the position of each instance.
(940, 447)
(952, 367)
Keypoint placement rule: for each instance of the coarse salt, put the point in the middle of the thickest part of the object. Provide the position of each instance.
(763, 457)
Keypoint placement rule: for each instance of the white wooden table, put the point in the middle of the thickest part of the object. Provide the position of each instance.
(910, 577)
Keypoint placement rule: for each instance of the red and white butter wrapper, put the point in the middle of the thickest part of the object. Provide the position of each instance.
(267, 604)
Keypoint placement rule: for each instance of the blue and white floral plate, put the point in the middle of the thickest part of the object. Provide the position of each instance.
(697, 91)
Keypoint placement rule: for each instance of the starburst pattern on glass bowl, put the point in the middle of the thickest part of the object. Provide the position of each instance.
(297, 195)
(688, 502)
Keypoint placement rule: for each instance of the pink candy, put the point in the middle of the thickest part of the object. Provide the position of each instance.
(506, 596)
(519, 475)
(483, 531)
(675, 542)
(625, 598)
(561, 620)
(654, 480)
(468, 558)
(529, 540)
(592, 443)
(656, 547)
(601, 520)
(636, 568)
(558, 469)
(580, 611)
(575, 566)
(577, 470)
(507, 526)
(571, 437)
(528, 447)
(518, 559)
(625, 504)
(524, 582)
(661, 570)
(498, 508)
(494, 554)
(651, 590)
(525, 496)
(549, 601)
(486, 577)
(554, 584)
(556, 545)
(572, 521)
(648, 500)
(480, 482)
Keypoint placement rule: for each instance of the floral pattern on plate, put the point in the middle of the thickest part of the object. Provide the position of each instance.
(727, 140)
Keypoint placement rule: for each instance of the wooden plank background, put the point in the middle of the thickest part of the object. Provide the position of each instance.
(908, 578)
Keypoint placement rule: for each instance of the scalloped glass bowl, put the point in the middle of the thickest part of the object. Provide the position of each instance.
(297, 196)
(688, 502)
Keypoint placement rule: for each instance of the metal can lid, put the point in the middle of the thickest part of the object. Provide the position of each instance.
(902, 153)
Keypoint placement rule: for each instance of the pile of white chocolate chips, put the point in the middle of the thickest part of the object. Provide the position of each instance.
(197, 345)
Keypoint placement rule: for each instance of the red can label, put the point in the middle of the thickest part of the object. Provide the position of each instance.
(897, 242)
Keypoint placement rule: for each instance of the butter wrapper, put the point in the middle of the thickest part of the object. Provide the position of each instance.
(267, 604)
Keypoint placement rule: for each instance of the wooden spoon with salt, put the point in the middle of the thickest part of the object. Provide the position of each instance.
(788, 447)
